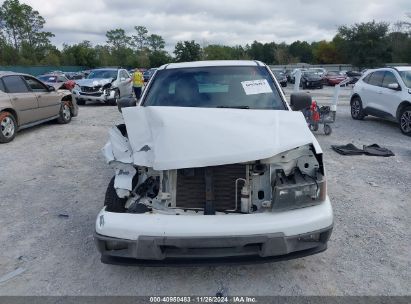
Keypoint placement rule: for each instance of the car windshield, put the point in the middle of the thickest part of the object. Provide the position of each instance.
(47, 78)
(248, 87)
(309, 73)
(406, 77)
(278, 74)
(103, 74)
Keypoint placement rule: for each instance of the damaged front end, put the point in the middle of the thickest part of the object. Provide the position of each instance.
(191, 202)
(289, 180)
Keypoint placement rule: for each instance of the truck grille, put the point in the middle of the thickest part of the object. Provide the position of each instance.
(191, 186)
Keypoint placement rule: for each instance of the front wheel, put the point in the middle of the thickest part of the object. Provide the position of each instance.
(113, 102)
(65, 113)
(8, 127)
(405, 121)
(357, 112)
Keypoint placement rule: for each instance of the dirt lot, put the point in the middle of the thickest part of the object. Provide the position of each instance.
(53, 171)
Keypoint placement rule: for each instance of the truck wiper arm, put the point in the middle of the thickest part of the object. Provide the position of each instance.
(233, 107)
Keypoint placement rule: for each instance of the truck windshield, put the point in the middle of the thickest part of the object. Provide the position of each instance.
(244, 87)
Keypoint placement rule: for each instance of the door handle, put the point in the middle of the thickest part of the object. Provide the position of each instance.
(14, 98)
(379, 92)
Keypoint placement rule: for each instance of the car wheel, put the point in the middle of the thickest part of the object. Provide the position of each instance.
(65, 113)
(357, 112)
(113, 102)
(8, 127)
(321, 87)
(405, 121)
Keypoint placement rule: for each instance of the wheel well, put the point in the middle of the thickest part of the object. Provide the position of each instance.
(402, 106)
(13, 112)
(354, 96)
(66, 98)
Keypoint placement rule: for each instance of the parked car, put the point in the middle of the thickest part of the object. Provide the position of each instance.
(252, 186)
(103, 85)
(58, 81)
(384, 93)
(281, 78)
(292, 75)
(311, 80)
(332, 78)
(25, 101)
(74, 75)
(148, 74)
(319, 71)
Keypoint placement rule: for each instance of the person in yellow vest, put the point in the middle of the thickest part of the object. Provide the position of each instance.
(138, 82)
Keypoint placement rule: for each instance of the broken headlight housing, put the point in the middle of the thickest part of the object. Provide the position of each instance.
(106, 89)
(297, 190)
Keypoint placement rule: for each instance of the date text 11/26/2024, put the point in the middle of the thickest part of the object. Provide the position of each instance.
(203, 299)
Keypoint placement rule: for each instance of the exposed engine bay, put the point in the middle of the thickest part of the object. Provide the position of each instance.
(163, 167)
(290, 180)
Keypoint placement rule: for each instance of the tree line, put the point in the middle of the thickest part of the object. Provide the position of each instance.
(24, 42)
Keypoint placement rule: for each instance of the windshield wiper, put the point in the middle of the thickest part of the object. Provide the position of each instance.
(233, 107)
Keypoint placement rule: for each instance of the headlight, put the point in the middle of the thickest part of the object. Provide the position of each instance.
(297, 190)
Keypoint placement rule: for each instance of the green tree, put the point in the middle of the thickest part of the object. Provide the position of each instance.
(140, 40)
(365, 44)
(22, 28)
(219, 52)
(301, 50)
(117, 39)
(325, 52)
(158, 58)
(82, 54)
(155, 43)
(187, 51)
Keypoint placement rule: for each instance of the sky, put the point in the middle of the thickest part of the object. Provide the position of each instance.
(229, 22)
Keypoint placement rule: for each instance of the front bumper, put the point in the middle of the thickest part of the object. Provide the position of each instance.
(156, 238)
(97, 96)
(313, 84)
(223, 250)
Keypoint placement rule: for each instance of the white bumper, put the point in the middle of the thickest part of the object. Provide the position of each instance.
(132, 226)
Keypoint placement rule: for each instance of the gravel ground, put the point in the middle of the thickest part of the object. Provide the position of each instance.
(52, 171)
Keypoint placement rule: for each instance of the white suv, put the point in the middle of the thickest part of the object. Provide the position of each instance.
(384, 93)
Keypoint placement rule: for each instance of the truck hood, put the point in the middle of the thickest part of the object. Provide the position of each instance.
(166, 138)
(93, 82)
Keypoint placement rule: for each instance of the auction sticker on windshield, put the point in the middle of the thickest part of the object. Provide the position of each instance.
(252, 87)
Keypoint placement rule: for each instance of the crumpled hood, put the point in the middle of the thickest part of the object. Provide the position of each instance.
(166, 138)
(93, 82)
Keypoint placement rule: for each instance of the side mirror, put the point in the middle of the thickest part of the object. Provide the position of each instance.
(51, 88)
(126, 102)
(300, 101)
(394, 86)
(122, 79)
